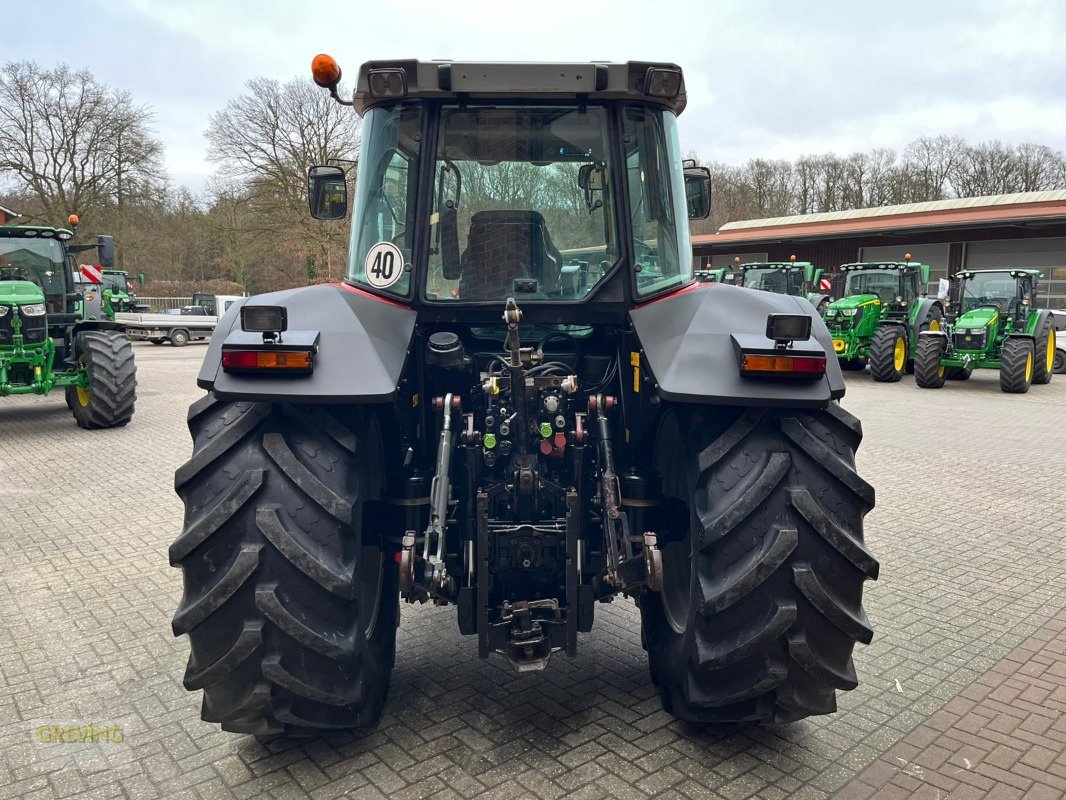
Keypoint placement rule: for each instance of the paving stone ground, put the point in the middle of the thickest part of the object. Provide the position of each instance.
(969, 528)
(1004, 736)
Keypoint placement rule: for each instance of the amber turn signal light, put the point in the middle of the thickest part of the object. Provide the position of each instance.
(777, 365)
(325, 70)
(266, 359)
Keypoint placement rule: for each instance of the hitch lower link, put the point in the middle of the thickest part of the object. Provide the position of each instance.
(426, 575)
(625, 570)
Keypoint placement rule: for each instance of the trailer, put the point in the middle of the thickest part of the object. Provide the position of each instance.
(190, 323)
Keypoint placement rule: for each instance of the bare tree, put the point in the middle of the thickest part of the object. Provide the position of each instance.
(1039, 167)
(267, 138)
(74, 144)
(931, 160)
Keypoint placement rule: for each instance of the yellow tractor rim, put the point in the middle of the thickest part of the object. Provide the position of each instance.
(1029, 367)
(899, 355)
(940, 372)
(1050, 350)
(934, 325)
(83, 394)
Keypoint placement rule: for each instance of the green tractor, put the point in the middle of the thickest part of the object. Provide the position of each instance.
(712, 275)
(118, 293)
(878, 319)
(47, 339)
(993, 324)
(797, 278)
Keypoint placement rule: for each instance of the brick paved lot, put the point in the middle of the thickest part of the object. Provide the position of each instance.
(971, 567)
(1004, 735)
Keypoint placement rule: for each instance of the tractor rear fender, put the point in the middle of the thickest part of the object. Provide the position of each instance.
(362, 348)
(687, 339)
(97, 325)
(1037, 320)
(925, 307)
(816, 299)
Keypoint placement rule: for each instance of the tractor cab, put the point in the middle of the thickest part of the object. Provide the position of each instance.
(893, 286)
(35, 281)
(559, 186)
(792, 277)
(781, 278)
(995, 297)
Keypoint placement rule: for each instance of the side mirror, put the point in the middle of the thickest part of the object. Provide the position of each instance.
(451, 264)
(698, 192)
(105, 246)
(327, 192)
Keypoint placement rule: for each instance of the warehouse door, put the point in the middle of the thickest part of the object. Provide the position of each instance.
(1048, 255)
(935, 255)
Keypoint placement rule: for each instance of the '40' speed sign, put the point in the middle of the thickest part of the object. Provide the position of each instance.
(383, 265)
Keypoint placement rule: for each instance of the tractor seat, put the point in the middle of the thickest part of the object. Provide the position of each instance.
(502, 246)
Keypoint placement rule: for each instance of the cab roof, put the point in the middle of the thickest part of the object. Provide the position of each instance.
(35, 232)
(1014, 273)
(774, 264)
(861, 265)
(382, 82)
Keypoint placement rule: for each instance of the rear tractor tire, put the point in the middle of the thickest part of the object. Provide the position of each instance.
(1044, 354)
(112, 392)
(888, 353)
(763, 564)
(291, 601)
(1016, 366)
(928, 373)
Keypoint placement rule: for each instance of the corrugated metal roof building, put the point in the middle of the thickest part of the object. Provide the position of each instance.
(1012, 230)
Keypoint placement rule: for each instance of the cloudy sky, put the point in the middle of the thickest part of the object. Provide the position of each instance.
(764, 78)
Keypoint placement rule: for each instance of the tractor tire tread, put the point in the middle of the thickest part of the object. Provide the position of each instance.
(281, 635)
(773, 625)
(927, 371)
(882, 353)
(1013, 358)
(112, 380)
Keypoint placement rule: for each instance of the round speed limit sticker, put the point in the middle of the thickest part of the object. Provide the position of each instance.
(383, 265)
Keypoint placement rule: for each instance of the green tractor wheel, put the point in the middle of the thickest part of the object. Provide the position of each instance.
(888, 353)
(1044, 354)
(933, 321)
(928, 373)
(112, 392)
(1016, 366)
(958, 373)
